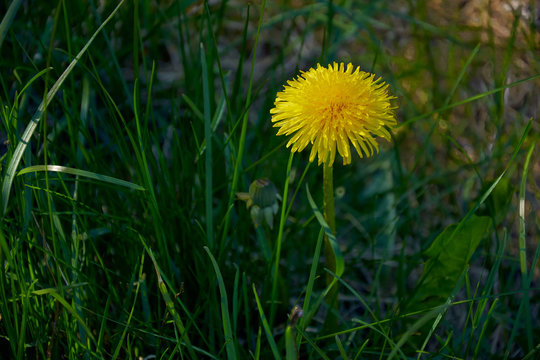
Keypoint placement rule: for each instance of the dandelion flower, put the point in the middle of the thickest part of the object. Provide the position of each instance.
(332, 107)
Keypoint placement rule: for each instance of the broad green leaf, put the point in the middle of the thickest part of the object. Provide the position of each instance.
(498, 202)
(449, 255)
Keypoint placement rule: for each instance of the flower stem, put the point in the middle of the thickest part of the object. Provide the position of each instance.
(329, 254)
(329, 213)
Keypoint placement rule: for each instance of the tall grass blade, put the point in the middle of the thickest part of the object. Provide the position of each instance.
(144, 149)
(8, 321)
(525, 283)
(208, 153)
(257, 355)
(277, 253)
(267, 331)
(290, 346)
(484, 328)
(304, 321)
(227, 329)
(523, 247)
(8, 19)
(359, 352)
(342, 351)
(103, 327)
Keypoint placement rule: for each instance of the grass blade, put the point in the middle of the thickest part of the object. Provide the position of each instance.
(267, 331)
(279, 240)
(208, 154)
(484, 327)
(81, 173)
(523, 247)
(290, 346)
(309, 288)
(227, 329)
(525, 300)
(8, 19)
(341, 348)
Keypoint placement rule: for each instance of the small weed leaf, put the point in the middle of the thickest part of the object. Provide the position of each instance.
(449, 255)
(498, 203)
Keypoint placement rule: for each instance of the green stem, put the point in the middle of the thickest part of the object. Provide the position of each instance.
(329, 254)
(329, 214)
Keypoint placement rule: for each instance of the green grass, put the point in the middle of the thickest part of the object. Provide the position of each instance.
(127, 129)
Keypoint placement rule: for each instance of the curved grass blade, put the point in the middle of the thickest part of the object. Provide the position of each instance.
(227, 329)
(81, 173)
(309, 288)
(359, 352)
(268, 332)
(31, 127)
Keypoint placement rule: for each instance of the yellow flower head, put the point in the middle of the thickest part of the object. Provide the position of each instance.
(328, 107)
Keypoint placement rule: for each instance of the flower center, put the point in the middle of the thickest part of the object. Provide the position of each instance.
(335, 111)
